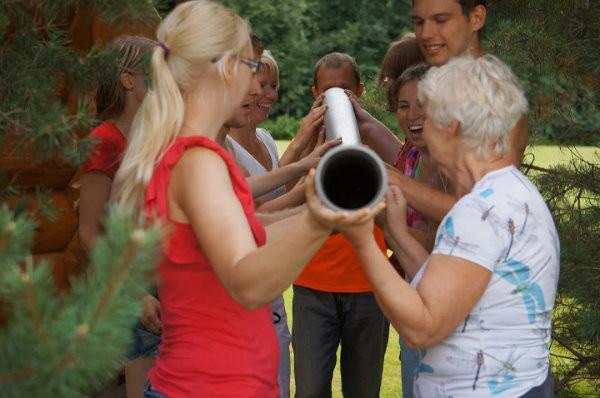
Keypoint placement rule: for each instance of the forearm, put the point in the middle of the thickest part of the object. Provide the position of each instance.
(87, 237)
(291, 199)
(292, 153)
(410, 253)
(428, 201)
(380, 139)
(94, 195)
(268, 218)
(402, 305)
(267, 182)
(265, 273)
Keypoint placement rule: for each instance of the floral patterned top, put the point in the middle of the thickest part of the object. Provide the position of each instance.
(502, 347)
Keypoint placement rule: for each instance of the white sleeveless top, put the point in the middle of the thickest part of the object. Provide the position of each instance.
(253, 166)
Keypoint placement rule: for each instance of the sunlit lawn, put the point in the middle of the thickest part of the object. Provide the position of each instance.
(543, 155)
(391, 385)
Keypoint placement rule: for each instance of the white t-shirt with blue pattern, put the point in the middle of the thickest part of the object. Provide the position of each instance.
(502, 347)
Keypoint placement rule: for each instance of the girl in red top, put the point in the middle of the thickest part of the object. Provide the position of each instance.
(217, 276)
(117, 101)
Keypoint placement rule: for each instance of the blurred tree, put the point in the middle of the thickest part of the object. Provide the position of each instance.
(57, 342)
(299, 32)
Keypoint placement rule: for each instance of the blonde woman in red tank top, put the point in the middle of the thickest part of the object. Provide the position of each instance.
(221, 268)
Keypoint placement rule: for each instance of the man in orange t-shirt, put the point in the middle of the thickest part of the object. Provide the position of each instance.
(333, 301)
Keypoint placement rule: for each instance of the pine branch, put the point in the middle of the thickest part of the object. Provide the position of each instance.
(32, 303)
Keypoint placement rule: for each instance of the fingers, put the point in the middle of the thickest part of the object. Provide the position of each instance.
(310, 185)
(311, 122)
(395, 194)
(155, 323)
(353, 101)
(152, 322)
(322, 136)
(316, 117)
(326, 146)
(318, 102)
(363, 215)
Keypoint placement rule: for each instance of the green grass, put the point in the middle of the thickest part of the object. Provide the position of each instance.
(391, 386)
(547, 155)
(543, 155)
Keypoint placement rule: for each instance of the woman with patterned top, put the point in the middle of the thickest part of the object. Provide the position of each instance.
(479, 307)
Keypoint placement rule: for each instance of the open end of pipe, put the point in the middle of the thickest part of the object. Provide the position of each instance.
(352, 179)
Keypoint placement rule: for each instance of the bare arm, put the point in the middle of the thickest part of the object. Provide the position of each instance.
(94, 196)
(449, 290)
(293, 198)
(432, 203)
(267, 182)
(252, 276)
(273, 217)
(410, 253)
(306, 137)
(375, 134)
(95, 192)
(281, 225)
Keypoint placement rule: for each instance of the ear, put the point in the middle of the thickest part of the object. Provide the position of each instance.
(315, 92)
(452, 129)
(126, 81)
(360, 90)
(477, 18)
(228, 69)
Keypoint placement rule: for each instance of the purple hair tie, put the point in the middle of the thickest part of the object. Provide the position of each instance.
(165, 49)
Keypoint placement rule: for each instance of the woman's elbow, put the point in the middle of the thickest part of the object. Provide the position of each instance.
(247, 298)
(417, 338)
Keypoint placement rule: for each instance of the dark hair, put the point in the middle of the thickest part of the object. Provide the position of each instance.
(401, 54)
(129, 52)
(468, 5)
(415, 72)
(335, 60)
(257, 45)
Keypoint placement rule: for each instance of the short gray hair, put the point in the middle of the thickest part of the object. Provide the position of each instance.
(482, 94)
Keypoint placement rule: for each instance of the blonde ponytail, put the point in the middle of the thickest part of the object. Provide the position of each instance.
(192, 36)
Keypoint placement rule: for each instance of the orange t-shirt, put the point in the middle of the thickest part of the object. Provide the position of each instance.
(336, 268)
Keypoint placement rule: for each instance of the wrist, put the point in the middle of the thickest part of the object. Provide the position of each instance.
(316, 224)
(363, 244)
(299, 168)
(402, 236)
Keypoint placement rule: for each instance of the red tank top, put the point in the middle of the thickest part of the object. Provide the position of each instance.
(211, 346)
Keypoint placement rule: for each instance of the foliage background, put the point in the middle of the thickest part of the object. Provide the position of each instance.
(55, 345)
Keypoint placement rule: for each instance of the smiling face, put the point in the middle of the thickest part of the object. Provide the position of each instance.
(443, 31)
(260, 108)
(241, 115)
(410, 115)
(443, 142)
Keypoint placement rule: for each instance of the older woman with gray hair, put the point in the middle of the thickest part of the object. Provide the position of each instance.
(479, 307)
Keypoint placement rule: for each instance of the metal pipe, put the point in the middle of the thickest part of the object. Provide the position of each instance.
(350, 176)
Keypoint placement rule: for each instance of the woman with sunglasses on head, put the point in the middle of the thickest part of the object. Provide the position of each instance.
(217, 275)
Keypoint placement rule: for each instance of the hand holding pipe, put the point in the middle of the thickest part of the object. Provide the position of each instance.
(350, 176)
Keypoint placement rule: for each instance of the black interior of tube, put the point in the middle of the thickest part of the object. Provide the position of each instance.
(351, 179)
